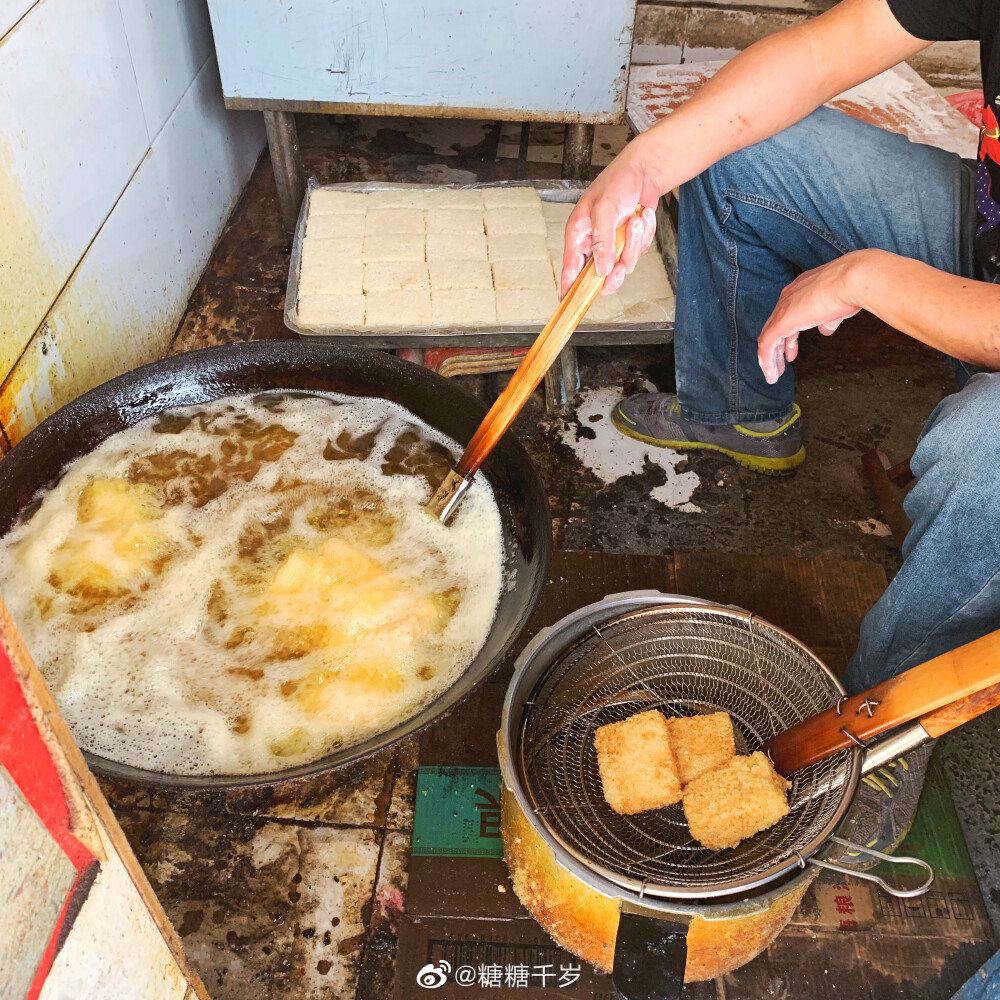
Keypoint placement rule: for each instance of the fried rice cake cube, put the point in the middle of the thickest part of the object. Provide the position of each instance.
(638, 770)
(701, 743)
(732, 802)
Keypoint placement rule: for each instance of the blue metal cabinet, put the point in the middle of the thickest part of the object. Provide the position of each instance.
(549, 60)
(542, 60)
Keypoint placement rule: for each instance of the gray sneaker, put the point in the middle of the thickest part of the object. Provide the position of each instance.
(773, 447)
(886, 804)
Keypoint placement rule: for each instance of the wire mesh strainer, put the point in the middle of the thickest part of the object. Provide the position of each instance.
(683, 660)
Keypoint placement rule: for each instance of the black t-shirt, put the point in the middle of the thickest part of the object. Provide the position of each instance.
(961, 20)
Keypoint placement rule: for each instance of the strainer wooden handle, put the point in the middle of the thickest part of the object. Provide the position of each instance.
(942, 693)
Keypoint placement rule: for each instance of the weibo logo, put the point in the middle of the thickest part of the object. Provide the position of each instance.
(432, 976)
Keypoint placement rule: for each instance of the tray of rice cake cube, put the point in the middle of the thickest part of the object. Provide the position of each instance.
(383, 263)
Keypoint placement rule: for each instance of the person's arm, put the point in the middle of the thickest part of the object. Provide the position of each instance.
(769, 86)
(958, 316)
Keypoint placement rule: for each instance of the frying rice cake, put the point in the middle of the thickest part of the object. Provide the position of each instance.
(533, 305)
(648, 280)
(447, 275)
(323, 227)
(636, 761)
(454, 198)
(555, 244)
(605, 309)
(385, 246)
(394, 221)
(324, 272)
(653, 311)
(725, 806)
(523, 275)
(388, 275)
(456, 246)
(462, 307)
(403, 196)
(557, 212)
(455, 220)
(398, 307)
(331, 310)
(701, 742)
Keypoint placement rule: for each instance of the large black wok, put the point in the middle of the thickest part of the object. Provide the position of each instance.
(197, 377)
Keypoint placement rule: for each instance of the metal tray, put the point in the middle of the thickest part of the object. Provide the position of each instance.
(497, 334)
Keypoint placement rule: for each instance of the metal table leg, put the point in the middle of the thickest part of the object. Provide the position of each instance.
(522, 152)
(283, 143)
(578, 149)
(562, 380)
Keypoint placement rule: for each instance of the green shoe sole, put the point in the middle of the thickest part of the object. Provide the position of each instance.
(756, 463)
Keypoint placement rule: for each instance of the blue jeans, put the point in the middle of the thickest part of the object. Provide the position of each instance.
(748, 224)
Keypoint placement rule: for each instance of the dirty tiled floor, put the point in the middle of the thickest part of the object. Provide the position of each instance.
(294, 892)
(284, 892)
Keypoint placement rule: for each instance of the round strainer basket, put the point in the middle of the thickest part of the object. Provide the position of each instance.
(683, 659)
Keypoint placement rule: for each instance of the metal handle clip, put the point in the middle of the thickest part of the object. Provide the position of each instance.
(881, 882)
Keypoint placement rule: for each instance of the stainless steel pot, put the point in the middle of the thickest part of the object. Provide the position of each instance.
(590, 877)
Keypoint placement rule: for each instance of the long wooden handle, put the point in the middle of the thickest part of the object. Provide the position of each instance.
(944, 720)
(540, 357)
(942, 693)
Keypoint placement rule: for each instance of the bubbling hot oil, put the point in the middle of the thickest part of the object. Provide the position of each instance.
(251, 584)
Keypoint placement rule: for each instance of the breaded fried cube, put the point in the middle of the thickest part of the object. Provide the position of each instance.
(701, 743)
(638, 770)
(735, 801)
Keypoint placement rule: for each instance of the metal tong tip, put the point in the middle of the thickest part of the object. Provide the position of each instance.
(448, 496)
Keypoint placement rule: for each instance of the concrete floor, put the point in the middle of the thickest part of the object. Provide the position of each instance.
(865, 385)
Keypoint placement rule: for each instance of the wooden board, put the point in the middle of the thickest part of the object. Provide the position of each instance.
(109, 937)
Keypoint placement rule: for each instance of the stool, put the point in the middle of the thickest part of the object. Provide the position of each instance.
(889, 482)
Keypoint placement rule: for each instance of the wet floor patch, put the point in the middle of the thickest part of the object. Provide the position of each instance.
(586, 429)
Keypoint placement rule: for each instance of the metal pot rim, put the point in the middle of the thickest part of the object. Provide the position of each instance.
(535, 659)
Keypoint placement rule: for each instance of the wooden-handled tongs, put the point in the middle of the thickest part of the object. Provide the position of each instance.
(536, 363)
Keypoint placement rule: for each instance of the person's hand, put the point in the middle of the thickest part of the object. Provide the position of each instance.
(629, 180)
(822, 297)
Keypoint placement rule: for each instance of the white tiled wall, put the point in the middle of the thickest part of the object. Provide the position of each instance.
(72, 125)
(169, 41)
(10, 11)
(118, 168)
